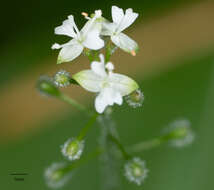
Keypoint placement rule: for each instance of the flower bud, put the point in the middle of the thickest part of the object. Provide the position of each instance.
(136, 171)
(135, 99)
(73, 148)
(46, 86)
(56, 176)
(179, 133)
(62, 78)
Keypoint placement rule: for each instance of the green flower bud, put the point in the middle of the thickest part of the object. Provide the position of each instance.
(62, 79)
(136, 171)
(135, 99)
(46, 87)
(179, 133)
(56, 176)
(73, 148)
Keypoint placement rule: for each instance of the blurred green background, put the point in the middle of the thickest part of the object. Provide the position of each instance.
(175, 68)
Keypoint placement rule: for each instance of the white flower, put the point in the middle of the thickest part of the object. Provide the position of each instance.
(88, 37)
(110, 86)
(120, 22)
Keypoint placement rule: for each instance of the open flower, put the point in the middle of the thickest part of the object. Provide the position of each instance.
(88, 37)
(120, 22)
(111, 87)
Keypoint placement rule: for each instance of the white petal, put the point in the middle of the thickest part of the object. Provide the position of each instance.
(100, 103)
(118, 98)
(107, 96)
(98, 68)
(70, 51)
(91, 24)
(124, 42)
(123, 84)
(89, 80)
(67, 28)
(56, 46)
(117, 14)
(93, 40)
(128, 19)
(98, 13)
(108, 28)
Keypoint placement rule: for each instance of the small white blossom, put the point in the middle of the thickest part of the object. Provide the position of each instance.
(73, 148)
(136, 171)
(120, 22)
(111, 87)
(88, 37)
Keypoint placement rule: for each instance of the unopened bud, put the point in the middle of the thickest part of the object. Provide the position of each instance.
(62, 79)
(46, 86)
(136, 171)
(180, 133)
(135, 99)
(73, 148)
(56, 175)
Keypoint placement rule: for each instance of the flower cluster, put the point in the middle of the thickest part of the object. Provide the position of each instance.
(99, 35)
(90, 35)
(100, 78)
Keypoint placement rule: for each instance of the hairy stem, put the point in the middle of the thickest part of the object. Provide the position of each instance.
(88, 125)
(68, 168)
(146, 145)
(109, 162)
(73, 102)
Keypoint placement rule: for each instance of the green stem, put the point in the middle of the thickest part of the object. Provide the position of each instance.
(110, 163)
(109, 50)
(82, 161)
(88, 125)
(73, 102)
(146, 145)
(120, 147)
(93, 55)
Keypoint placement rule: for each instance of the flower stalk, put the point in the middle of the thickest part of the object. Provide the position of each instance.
(126, 156)
(73, 102)
(87, 127)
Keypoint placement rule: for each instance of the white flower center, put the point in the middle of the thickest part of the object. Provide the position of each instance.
(105, 83)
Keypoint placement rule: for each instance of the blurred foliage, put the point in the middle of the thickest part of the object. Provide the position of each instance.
(186, 91)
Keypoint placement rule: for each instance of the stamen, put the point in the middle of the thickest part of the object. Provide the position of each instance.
(133, 53)
(84, 14)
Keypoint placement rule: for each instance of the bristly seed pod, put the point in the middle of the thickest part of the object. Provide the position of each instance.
(179, 133)
(73, 148)
(135, 99)
(55, 175)
(62, 78)
(136, 171)
(46, 86)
